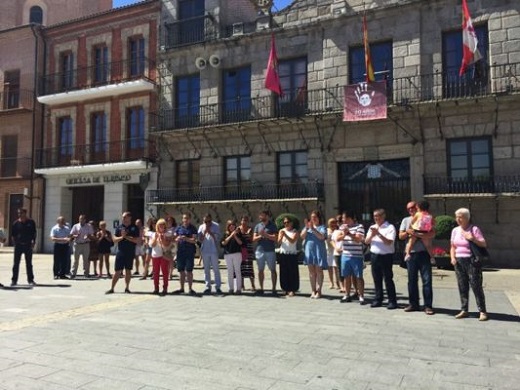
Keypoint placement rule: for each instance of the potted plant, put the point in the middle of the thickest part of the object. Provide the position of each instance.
(444, 224)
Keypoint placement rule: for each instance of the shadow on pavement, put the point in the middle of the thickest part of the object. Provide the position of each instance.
(492, 316)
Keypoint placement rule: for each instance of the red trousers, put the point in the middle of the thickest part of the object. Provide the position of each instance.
(162, 264)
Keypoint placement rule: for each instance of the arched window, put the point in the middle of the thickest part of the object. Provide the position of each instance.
(36, 15)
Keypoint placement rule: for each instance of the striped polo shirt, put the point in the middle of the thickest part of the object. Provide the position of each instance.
(352, 248)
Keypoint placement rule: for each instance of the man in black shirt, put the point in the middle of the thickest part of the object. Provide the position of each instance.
(126, 237)
(23, 234)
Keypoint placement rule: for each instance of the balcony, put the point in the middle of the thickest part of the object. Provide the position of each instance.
(189, 31)
(98, 153)
(437, 185)
(15, 168)
(496, 79)
(16, 99)
(253, 192)
(92, 82)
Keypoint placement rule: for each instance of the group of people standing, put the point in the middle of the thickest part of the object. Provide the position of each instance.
(340, 247)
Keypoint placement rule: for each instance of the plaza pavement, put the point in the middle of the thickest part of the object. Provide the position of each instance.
(69, 335)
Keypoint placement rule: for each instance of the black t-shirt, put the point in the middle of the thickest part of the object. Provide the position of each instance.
(23, 233)
(125, 246)
(232, 245)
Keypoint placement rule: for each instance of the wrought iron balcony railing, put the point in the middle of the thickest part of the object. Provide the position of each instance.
(497, 79)
(12, 99)
(97, 153)
(15, 167)
(253, 191)
(484, 185)
(98, 75)
(189, 31)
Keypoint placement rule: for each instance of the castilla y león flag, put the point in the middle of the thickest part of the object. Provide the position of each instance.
(469, 41)
(365, 101)
(272, 79)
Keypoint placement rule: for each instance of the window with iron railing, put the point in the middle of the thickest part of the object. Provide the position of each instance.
(9, 156)
(135, 127)
(293, 79)
(11, 91)
(381, 54)
(236, 105)
(101, 65)
(137, 59)
(190, 28)
(65, 139)
(237, 176)
(187, 174)
(470, 161)
(98, 132)
(187, 101)
(475, 80)
(66, 70)
(292, 167)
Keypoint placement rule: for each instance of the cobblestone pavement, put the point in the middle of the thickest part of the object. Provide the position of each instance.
(69, 335)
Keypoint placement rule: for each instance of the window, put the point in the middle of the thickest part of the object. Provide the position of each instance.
(9, 157)
(36, 15)
(98, 132)
(236, 94)
(137, 57)
(191, 21)
(238, 171)
(187, 100)
(65, 141)
(11, 98)
(470, 159)
(135, 128)
(100, 64)
(475, 80)
(293, 78)
(292, 167)
(382, 61)
(188, 173)
(67, 70)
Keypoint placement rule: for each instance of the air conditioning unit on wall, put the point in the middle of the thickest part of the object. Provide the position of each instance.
(238, 29)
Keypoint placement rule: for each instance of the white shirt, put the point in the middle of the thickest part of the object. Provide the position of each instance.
(287, 247)
(377, 246)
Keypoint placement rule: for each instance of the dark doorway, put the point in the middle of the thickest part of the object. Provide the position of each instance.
(15, 203)
(365, 186)
(89, 201)
(135, 201)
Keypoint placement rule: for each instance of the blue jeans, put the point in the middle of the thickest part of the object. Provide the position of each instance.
(420, 263)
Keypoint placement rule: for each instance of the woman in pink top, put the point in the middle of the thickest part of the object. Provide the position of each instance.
(468, 271)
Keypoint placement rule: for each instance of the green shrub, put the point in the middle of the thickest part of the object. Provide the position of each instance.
(291, 217)
(444, 224)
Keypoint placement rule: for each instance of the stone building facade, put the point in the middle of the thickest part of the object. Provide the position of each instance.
(99, 93)
(229, 146)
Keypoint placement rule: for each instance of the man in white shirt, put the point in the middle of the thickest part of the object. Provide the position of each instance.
(381, 238)
(81, 233)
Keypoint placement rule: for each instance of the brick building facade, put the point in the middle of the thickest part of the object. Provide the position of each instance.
(231, 147)
(99, 92)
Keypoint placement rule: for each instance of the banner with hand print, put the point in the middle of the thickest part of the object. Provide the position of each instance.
(365, 101)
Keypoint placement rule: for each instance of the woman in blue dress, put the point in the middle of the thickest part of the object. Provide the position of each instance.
(315, 236)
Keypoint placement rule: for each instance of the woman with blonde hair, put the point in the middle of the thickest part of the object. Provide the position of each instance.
(333, 252)
(162, 244)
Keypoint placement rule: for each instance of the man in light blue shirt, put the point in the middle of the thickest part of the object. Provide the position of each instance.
(60, 235)
(265, 236)
(209, 237)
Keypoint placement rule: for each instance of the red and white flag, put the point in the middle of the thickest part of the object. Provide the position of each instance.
(470, 50)
(272, 79)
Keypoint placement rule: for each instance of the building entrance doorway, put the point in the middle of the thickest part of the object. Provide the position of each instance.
(89, 201)
(365, 186)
